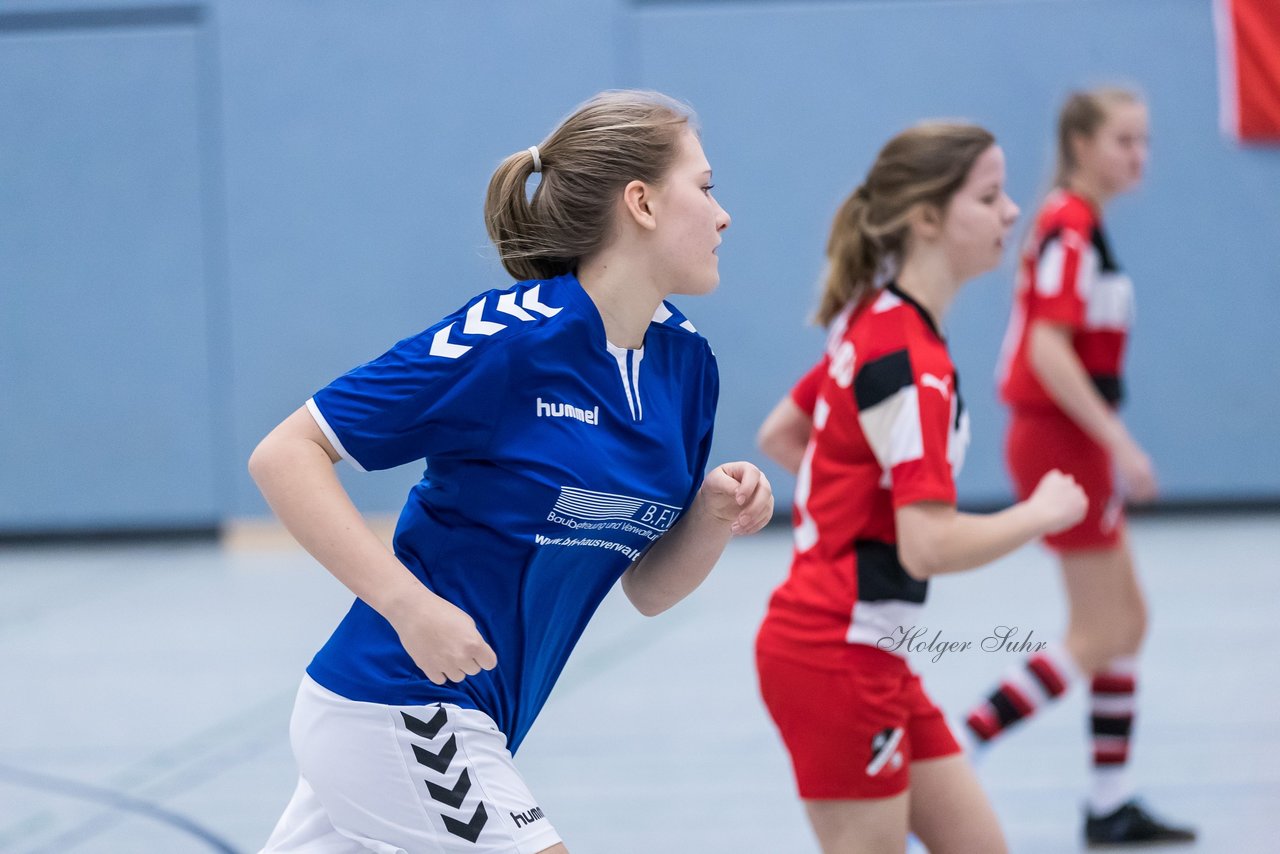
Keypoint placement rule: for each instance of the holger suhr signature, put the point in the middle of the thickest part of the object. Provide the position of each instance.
(916, 639)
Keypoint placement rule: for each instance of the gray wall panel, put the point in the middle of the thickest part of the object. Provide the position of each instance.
(104, 368)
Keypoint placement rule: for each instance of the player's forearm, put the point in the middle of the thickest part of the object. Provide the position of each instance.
(784, 435)
(938, 539)
(678, 562)
(1064, 378)
(297, 478)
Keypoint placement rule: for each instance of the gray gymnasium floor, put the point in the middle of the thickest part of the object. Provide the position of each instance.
(147, 692)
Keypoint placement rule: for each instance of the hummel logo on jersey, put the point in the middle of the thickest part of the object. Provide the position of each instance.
(564, 410)
(941, 384)
(884, 751)
(527, 817)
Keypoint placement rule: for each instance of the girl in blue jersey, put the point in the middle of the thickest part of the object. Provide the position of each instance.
(566, 424)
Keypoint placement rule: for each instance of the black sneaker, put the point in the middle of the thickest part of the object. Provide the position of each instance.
(1131, 824)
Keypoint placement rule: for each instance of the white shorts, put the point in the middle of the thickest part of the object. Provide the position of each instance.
(434, 779)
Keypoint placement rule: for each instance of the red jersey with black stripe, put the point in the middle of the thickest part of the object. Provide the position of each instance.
(889, 429)
(1070, 277)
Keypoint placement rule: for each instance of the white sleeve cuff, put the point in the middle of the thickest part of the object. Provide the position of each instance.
(330, 435)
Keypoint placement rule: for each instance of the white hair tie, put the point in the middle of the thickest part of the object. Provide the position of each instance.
(537, 161)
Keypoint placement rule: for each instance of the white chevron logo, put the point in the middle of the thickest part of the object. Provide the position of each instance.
(507, 305)
(530, 301)
(442, 346)
(475, 324)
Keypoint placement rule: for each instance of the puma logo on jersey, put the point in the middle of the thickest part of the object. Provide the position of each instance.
(884, 751)
(940, 383)
(527, 817)
(564, 410)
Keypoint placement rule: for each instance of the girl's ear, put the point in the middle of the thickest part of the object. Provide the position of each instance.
(637, 198)
(925, 220)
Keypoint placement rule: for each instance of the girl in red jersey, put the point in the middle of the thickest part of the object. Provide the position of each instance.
(876, 433)
(1062, 380)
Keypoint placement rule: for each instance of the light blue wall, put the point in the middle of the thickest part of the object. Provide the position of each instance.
(107, 416)
(209, 210)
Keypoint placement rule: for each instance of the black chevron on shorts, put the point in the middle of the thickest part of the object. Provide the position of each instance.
(451, 797)
(437, 761)
(428, 729)
(470, 830)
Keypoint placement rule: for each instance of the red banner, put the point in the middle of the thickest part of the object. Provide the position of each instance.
(1249, 68)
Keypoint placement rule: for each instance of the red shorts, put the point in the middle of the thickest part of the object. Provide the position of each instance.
(853, 733)
(1039, 442)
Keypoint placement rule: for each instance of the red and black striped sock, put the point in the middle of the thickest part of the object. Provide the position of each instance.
(1111, 707)
(1026, 689)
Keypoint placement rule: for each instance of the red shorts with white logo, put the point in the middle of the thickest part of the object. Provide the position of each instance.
(853, 733)
(1038, 442)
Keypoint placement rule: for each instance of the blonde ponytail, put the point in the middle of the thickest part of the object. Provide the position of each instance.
(614, 138)
(853, 257)
(926, 164)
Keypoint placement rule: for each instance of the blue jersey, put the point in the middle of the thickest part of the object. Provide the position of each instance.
(554, 459)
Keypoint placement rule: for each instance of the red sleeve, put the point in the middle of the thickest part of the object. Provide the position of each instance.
(805, 392)
(927, 475)
(1065, 271)
(904, 402)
